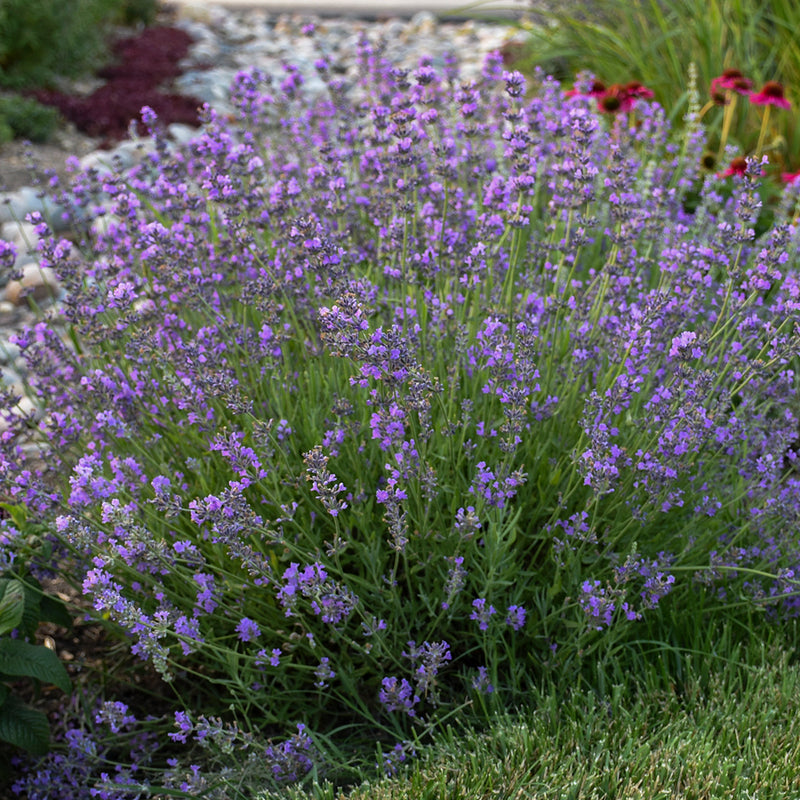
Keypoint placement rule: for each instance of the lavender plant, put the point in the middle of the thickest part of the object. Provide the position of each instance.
(380, 408)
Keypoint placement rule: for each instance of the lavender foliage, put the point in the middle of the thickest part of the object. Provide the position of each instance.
(347, 375)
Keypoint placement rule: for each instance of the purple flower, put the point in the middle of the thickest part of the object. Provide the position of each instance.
(456, 579)
(515, 83)
(185, 727)
(597, 604)
(274, 657)
(684, 347)
(292, 759)
(516, 617)
(398, 695)
(481, 681)
(248, 630)
(327, 599)
(428, 659)
(396, 756)
(481, 614)
(323, 673)
(187, 628)
(115, 715)
(8, 254)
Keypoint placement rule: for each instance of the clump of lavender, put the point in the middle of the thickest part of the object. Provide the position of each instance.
(447, 363)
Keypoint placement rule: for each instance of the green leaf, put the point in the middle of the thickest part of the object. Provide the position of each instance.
(18, 513)
(23, 659)
(30, 611)
(4, 693)
(24, 727)
(12, 604)
(53, 610)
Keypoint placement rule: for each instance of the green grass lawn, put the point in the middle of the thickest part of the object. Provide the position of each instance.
(731, 731)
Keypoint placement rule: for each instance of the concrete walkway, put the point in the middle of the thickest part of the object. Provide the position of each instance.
(371, 9)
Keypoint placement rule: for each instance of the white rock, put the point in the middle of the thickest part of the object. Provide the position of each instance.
(24, 237)
(12, 381)
(100, 225)
(195, 12)
(34, 453)
(15, 206)
(181, 134)
(423, 23)
(203, 53)
(130, 153)
(8, 231)
(100, 160)
(38, 282)
(9, 351)
(25, 407)
(237, 31)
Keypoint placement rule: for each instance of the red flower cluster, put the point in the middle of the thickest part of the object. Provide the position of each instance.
(597, 89)
(732, 80)
(615, 98)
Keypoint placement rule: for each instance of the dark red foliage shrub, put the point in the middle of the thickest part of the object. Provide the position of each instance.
(153, 55)
(144, 63)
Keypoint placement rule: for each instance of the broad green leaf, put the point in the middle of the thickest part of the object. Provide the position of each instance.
(4, 693)
(30, 611)
(23, 659)
(53, 610)
(18, 513)
(24, 727)
(12, 604)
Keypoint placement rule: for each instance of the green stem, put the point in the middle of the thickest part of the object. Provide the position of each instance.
(763, 132)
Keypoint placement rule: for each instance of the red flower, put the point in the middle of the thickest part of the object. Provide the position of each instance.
(732, 80)
(738, 167)
(790, 177)
(595, 90)
(612, 99)
(638, 90)
(619, 97)
(771, 94)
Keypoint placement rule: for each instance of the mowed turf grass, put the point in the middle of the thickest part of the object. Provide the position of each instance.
(731, 731)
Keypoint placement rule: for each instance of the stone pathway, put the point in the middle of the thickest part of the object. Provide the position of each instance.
(372, 9)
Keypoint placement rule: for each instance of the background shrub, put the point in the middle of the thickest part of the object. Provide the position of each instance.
(42, 41)
(26, 118)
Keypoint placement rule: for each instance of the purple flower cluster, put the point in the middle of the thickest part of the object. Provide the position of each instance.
(104, 754)
(428, 660)
(482, 613)
(398, 695)
(331, 602)
(486, 333)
